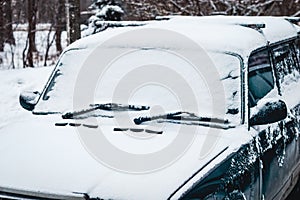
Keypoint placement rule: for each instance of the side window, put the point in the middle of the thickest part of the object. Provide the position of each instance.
(297, 47)
(260, 78)
(285, 61)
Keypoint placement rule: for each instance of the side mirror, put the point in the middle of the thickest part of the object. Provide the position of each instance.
(28, 100)
(268, 111)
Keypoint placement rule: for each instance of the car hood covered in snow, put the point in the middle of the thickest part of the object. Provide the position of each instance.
(43, 158)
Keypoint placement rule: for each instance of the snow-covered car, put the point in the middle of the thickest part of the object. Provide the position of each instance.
(178, 108)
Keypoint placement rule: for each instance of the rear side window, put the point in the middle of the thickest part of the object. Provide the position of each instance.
(260, 78)
(285, 61)
(297, 47)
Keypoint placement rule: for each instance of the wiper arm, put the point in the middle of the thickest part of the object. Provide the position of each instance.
(180, 116)
(106, 107)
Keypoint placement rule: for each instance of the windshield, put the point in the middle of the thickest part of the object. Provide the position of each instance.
(58, 93)
(129, 76)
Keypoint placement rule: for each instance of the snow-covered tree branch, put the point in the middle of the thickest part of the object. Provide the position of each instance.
(148, 9)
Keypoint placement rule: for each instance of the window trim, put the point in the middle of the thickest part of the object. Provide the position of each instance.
(266, 48)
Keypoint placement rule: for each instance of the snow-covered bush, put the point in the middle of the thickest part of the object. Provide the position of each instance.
(105, 10)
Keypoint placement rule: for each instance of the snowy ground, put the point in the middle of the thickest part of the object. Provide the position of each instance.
(12, 83)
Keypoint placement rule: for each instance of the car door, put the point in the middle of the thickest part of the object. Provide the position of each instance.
(286, 65)
(261, 85)
(268, 71)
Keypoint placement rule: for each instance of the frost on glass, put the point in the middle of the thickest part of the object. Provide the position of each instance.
(59, 92)
(59, 89)
(230, 72)
(297, 47)
(285, 61)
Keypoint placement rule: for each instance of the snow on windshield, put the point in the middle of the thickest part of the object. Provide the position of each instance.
(58, 93)
(150, 77)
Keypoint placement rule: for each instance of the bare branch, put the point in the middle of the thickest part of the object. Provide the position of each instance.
(296, 14)
(183, 10)
(212, 4)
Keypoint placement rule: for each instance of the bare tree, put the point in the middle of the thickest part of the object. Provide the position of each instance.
(49, 44)
(73, 20)
(59, 24)
(7, 14)
(6, 33)
(1, 28)
(31, 15)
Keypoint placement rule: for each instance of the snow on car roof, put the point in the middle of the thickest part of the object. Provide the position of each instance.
(213, 33)
(276, 28)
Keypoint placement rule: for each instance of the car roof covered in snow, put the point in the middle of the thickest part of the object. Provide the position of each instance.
(240, 35)
(274, 29)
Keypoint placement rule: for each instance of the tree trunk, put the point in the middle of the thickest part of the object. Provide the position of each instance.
(59, 26)
(31, 31)
(1, 27)
(73, 17)
(34, 21)
(58, 45)
(7, 11)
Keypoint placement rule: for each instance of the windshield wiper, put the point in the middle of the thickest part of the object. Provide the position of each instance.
(106, 107)
(119, 107)
(186, 118)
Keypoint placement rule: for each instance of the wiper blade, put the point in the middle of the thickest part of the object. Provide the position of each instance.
(180, 116)
(106, 107)
(119, 107)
